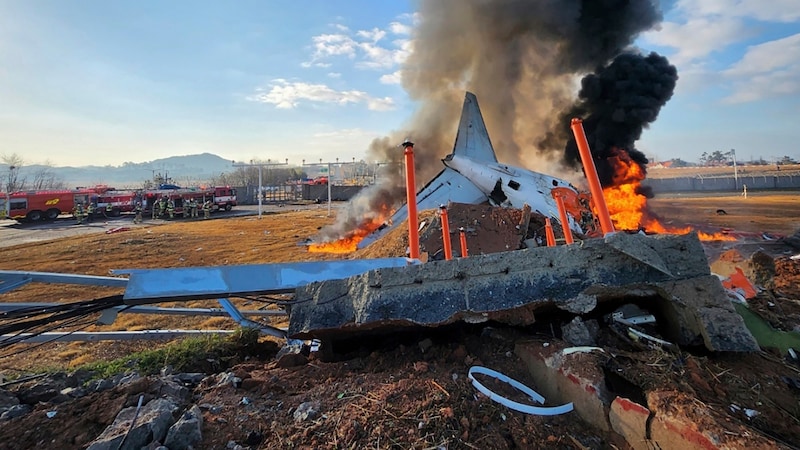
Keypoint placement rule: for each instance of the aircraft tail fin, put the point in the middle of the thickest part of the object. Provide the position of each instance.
(473, 139)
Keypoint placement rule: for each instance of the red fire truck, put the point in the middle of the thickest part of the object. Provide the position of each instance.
(32, 206)
(223, 197)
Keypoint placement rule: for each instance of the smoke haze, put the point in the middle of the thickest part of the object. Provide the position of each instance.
(523, 59)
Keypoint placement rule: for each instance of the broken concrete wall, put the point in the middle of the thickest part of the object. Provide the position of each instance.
(511, 287)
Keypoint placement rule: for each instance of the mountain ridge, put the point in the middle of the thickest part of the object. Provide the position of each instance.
(185, 169)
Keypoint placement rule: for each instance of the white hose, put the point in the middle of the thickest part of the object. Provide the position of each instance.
(521, 407)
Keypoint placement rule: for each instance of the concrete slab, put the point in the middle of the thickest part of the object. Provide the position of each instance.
(512, 287)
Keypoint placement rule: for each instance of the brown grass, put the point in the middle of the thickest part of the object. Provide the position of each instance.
(274, 238)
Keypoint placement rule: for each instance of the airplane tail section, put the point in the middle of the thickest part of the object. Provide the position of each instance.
(473, 140)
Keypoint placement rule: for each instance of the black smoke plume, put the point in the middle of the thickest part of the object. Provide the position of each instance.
(616, 103)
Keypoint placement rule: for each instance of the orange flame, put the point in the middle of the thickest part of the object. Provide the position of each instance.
(628, 207)
(349, 242)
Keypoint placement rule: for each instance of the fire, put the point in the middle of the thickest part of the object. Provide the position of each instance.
(628, 206)
(349, 243)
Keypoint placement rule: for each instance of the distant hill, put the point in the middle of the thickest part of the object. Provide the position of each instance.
(183, 170)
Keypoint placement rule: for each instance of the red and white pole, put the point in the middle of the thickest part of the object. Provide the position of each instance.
(411, 201)
(448, 251)
(591, 175)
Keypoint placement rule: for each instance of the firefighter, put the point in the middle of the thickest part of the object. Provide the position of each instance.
(162, 206)
(207, 209)
(193, 207)
(185, 208)
(108, 212)
(89, 212)
(171, 208)
(138, 210)
(78, 212)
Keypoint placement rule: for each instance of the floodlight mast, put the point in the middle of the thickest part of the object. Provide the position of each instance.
(260, 166)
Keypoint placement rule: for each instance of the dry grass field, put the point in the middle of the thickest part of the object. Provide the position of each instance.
(398, 397)
(776, 213)
(275, 238)
(765, 170)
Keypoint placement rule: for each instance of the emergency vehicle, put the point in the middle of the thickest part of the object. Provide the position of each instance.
(120, 201)
(32, 206)
(223, 197)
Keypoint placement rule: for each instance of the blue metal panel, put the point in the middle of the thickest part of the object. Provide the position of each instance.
(144, 285)
(12, 279)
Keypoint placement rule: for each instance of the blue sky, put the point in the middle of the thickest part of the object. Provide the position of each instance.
(102, 83)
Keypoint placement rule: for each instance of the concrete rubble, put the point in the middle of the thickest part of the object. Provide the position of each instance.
(661, 418)
(666, 274)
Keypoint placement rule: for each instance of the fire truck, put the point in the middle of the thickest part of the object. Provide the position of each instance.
(33, 206)
(222, 197)
(120, 201)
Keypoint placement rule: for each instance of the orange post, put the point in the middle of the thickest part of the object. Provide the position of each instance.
(562, 214)
(548, 230)
(448, 251)
(463, 238)
(411, 201)
(591, 175)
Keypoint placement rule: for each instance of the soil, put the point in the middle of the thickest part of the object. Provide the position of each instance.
(405, 391)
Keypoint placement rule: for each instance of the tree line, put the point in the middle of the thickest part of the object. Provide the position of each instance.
(42, 178)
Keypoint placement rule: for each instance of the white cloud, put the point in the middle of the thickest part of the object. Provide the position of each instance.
(373, 35)
(777, 54)
(334, 74)
(287, 95)
(771, 69)
(340, 27)
(697, 37)
(392, 78)
(376, 57)
(399, 28)
(333, 45)
(366, 45)
(704, 29)
(769, 11)
(380, 104)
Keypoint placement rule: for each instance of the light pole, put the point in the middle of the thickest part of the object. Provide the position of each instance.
(329, 178)
(735, 171)
(7, 207)
(260, 166)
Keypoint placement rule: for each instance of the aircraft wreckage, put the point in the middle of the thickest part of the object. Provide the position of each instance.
(666, 275)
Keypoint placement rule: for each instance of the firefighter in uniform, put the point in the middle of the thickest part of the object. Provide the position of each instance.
(193, 207)
(185, 208)
(207, 209)
(109, 210)
(138, 210)
(78, 212)
(89, 212)
(171, 208)
(162, 206)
